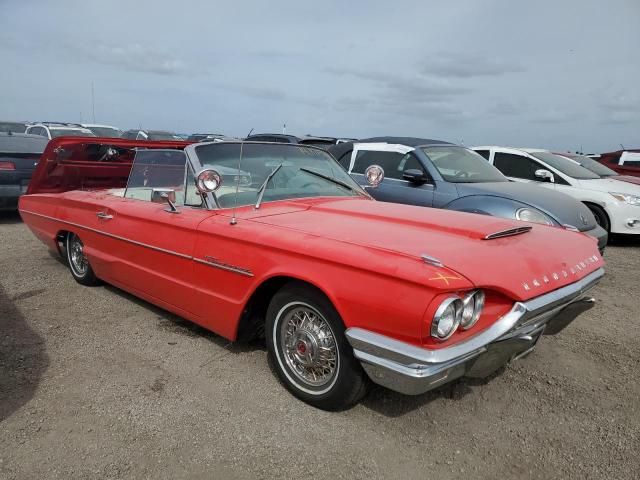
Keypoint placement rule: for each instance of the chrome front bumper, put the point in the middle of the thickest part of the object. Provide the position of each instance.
(412, 370)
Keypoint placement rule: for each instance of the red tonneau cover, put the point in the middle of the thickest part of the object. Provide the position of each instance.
(83, 163)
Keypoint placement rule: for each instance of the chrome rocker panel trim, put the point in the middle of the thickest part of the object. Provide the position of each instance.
(413, 370)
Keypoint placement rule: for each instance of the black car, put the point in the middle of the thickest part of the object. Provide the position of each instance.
(433, 173)
(209, 137)
(320, 142)
(19, 155)
(272, 137)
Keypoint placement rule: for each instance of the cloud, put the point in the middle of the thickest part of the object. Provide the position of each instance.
(414, 96)
(506, 108)
(620, 104)
(134, 57)
(429, 71)
(553, 116)
(408, 88)
(464, 66)
(411, 96)
(619, 108)
(268, 93)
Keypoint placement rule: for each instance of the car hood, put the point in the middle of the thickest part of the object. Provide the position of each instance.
(609, 185)
(562, 208)
(391, 239)
(627, 178)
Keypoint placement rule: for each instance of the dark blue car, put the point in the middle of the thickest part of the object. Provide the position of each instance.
(19, 155)
(433, 173)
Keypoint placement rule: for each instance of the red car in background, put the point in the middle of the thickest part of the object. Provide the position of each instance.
(599, 168)
(344, 289)
(625, 162)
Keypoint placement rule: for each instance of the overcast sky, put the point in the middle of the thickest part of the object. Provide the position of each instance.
(554, 74)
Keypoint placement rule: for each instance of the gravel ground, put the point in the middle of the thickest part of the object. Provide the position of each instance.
(95, 383)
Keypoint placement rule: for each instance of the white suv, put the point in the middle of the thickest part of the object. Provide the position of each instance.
(103, 130)
(615, 204)
(53, 129)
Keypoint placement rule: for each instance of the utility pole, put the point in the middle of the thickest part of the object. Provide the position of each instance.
(93, 103)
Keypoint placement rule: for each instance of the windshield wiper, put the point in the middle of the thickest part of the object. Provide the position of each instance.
(331, 179)
(263, 187)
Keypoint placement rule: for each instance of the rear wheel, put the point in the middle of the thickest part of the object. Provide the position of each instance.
(78, 264)
(310, 353)
(602, 218)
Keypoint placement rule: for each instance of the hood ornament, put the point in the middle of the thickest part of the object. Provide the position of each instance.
(431, 260)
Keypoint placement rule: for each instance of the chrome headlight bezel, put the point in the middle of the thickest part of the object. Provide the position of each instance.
(475, 301)
(542, 217)
(452, 302)
(627, 198)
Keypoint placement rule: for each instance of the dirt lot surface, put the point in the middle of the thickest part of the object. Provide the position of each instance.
(97, 384)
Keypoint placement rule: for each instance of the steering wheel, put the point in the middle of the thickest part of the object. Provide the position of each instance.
(461, 174)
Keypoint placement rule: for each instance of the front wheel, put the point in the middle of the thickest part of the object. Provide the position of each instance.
(601, 217)
(310, 353)
(78, 263)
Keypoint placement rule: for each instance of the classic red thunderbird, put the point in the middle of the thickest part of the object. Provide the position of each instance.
(250, 239)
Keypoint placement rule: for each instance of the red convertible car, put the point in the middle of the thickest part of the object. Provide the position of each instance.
(275, 240)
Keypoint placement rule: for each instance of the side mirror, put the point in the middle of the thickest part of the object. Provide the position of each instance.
(374, 175)
(545, 175)
(414, 176)
(161, 195)
(208, 181)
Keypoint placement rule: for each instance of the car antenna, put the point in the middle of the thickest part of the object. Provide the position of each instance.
(235, 198)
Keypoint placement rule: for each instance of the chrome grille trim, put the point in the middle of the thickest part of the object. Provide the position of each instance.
(535, 310)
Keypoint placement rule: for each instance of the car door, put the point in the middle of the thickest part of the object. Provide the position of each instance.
(520, 168)
(146, 247)
(394, 159)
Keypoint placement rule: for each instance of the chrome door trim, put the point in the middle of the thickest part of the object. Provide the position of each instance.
(111, 235)
(210, 261)
(215, 263)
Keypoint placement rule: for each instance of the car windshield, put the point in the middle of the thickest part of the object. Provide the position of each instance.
(591, 164)
(461, 165)
(14, 127)
(299, 172)
(163, 136)
(106, 132)
(566, 166)
(69, 132)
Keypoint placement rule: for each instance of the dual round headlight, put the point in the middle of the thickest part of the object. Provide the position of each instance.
(457, 312)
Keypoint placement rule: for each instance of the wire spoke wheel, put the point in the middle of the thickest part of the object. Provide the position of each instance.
(308, 346)
(77, 259)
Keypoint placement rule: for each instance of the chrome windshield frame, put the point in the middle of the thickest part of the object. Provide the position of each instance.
(194, 162)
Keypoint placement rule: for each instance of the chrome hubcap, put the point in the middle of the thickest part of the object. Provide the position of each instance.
(76, 256)
(308, 346)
